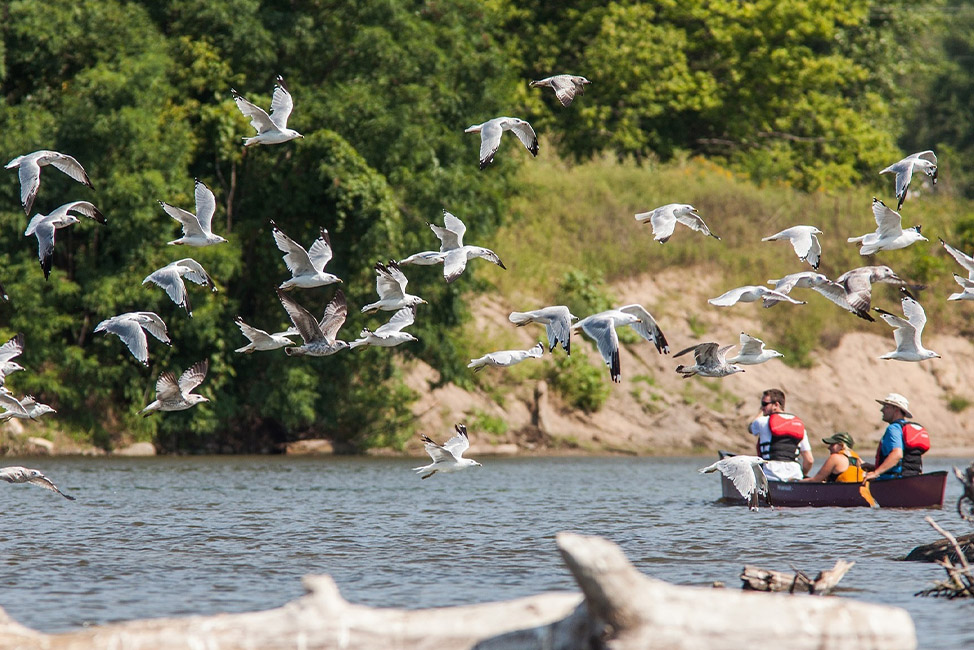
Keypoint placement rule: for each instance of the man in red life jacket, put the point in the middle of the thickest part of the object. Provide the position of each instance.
(903, 443)
(781, 439)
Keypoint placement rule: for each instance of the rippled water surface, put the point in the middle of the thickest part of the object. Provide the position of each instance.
(176, 536)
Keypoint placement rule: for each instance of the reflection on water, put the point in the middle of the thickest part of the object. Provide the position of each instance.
(177, 536)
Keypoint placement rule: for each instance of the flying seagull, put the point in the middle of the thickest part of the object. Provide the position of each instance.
(566, 86)
(320, 337)
(746, 474)
(390, 334)
(8, 351)
(13, 407)
(29, 170)
(804, 241)
(709, 361)
(32, 409)
(557, 321)
(853, 289)
(197, 228)
(752, 293)
(271, 129)
(665, 218)
(261, 340)
(752, 352)
(967, 284)
(170, 278)
(131, 328)
(33, 476)
(490, 136)
(44, 226)
(447, 457)
(506, 358)
(907, 332)
(424, 258)
(307, 267)
(925, 161)
(889, 234)
(390, 284)
(802, 279)
(456, 253)
(601, 327)
(172, 395)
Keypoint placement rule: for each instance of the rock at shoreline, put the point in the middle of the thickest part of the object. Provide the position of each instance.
(136, 449)
(310, 447)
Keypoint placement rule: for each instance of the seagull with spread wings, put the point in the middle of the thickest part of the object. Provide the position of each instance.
(170, 278)
(8, 351)
(390, 284)
(456, 253)
(753, 352)
(29, 169)
(566, 86)
(601, 327)
(389, 334)
(967, 284)
(172, 395)
(925, 161)
(746, 474)
(32, 409)
(664, 220)
(557, 321)
(197, 228)
(506, 358)
(804, 241)
(261, 340)
(32, 476)
(492, 130)
(271, 129)
(43, 227)
(307, 267)
(853, 289)
(320, 337)
(447, 457)
(889, 234)
(802, 279)
(907, 331)
(752, 293)
(131, 328)
(709, 361)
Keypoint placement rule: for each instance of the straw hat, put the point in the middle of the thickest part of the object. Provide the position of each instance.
(897, 400)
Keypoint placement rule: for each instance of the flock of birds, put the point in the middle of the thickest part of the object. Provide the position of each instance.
(319, 336)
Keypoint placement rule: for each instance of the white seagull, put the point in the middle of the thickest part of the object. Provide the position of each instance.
(557, 321)
(746, 474)
(601, 327)
(271, 129)
(172, 395)
(424, 258)
(752, 352)
(307, 267)
(197, 228)
(907, 332)
(32, 476)
(664, 220)
(889, 234)
(490, 136)
(709, 361)
(506, 358)
(389, 334)
(804, 241)
(13, 407)
(131, 328)
(170, 277)
(456, 253)
(853, 289)
(752, 293)
(33, 410)
(261, 340)
(320, 337)
(566, 86)
(43, 227)
(802, 279)
(390, 284)
(925, 161)
(29, 170)
(967, 284)
(8, 351)
(447, 457)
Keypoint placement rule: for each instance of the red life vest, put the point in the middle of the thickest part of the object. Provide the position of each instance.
(786, 432)
(916, 442)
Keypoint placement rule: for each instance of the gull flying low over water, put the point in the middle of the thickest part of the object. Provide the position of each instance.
(664, 220)
(8, 351)
(925, 161)
(492, 130)
(32, 409)
(390, 284)
(261, 340)
(43, 227)
(601, 327)
(307, 267)
(197, 228)
(853, 289)
(967, 284)
(804, 241)
(390, 334)
(506, 358)
(172, 395)
(447, 457)
(753, 352)
(32, 476)
(906, 332)
(752, 293)
(746, 474)
(170, 278)
(566, 86)
(709, 361)
(889, 234)
(456, 253)
(557, 321)
(131, 328)
(271, 129)
(29, 169)
(320, 337)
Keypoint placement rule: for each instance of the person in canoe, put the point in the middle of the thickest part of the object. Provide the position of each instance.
(902, 445)
(781, 439)
(843, 464)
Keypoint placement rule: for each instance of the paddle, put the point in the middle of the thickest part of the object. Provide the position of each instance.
(867, 495)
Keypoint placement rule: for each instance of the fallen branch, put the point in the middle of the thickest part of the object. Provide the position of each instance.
(758, 579)
(960, 579)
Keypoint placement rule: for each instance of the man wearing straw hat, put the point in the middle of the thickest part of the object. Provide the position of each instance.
(902, 443)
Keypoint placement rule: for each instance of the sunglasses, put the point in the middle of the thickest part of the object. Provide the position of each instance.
(763, 404)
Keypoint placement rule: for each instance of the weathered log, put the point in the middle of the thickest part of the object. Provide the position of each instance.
(942, 549)
(960, 579)
(622, 609)
(758, 579)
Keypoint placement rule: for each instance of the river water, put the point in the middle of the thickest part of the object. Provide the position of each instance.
(176, 536)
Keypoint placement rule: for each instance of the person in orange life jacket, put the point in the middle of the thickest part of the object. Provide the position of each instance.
(843, 464)
(902, 443)
(781, 439)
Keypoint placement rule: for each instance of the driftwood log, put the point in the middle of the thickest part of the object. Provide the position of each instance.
(620, 609)
(758, 579)
(960, 578)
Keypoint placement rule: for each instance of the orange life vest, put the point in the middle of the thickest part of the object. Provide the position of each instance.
(853, 473)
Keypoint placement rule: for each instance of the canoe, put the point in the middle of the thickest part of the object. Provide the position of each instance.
(923, 491)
